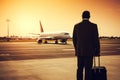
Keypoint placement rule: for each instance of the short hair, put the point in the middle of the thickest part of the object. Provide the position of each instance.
(86, 14)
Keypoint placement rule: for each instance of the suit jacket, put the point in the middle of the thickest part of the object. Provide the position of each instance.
(86, 39)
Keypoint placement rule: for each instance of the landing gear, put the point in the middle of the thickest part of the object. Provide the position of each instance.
(56, 41)
(63, 41)
(45, 42)
(39, 41)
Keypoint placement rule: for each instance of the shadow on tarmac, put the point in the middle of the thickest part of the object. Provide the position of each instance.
(28, 57)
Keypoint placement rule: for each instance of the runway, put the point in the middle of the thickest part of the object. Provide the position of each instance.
(32, 50)
(32, 61)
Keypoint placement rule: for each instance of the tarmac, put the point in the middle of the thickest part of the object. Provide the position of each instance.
(53, 69)
(31, 61)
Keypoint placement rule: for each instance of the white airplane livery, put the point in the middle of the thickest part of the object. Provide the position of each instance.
(45, 36)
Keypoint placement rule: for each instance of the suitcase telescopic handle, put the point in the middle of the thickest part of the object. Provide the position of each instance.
(95, 61)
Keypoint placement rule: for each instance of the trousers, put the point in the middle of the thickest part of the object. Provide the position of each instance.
(84, 62)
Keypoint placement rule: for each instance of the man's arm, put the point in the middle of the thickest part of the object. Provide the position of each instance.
(74, 39)
(96, 41)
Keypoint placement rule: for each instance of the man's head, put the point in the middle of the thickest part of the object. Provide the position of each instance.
(86, 14)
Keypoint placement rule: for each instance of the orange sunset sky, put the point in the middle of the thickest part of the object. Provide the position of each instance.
(58, 15)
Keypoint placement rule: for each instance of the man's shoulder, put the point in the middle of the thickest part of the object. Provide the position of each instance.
(85, 23)
(77, 24)
(93, 23)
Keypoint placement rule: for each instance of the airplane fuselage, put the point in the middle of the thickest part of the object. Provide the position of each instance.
(62, 36)
(44, 36)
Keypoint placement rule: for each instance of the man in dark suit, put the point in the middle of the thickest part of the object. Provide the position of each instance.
(86, 44)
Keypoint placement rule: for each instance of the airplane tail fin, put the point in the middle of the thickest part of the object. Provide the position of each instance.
(41, 28)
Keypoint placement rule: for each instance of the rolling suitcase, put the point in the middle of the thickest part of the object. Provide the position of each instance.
(98, 72)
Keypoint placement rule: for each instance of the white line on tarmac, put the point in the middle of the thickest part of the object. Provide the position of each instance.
(4, 54)
(107, 51)
(68, 49)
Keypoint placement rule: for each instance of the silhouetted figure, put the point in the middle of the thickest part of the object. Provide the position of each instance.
(86, 44)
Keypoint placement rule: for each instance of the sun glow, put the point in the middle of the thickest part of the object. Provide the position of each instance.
(57, 15)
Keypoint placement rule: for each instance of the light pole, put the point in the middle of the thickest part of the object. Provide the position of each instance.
(8, 20)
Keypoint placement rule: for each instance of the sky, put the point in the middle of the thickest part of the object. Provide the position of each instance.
(57, 15)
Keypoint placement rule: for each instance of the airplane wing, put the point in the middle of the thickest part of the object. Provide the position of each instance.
(34, 34)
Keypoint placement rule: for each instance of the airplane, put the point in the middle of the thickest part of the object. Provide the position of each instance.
(45, 36)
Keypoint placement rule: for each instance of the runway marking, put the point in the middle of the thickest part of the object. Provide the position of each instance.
(4, 54)
(107, 51)
(68, 49)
